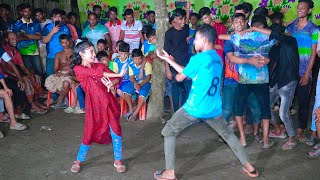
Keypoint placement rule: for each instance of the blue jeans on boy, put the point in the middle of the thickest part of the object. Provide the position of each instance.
(286, 94)
(81, 96)
(228, 97)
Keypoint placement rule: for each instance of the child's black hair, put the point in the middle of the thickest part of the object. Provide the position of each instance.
(136, 53)
(204, 11)
(261, 11)
(102, 41)
(179, 12)
(151, 12)
(92, 14)
(70, 14)
(258, 21)
(145, 29)
(242, 7)
(80, 47)
(310, 3)
(38, 10)
(25, 6)
(55, 12)
(5, 6)
(195, 15)
(276, 15)
(150, 33)
(63, 37)
(113, 9)
(207, 31)
(248, 6)
(63, 13)
(95, 7)
(124, 47)
(102, 54)
(119, 42)
(127, 12)
(237, 15)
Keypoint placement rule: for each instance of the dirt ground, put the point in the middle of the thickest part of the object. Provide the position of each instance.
(34, 154)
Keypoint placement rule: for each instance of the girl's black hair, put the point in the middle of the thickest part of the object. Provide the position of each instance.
(76, 58)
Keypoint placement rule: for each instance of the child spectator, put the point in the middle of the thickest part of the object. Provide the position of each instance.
(61, 81)
(72, 19)
(149, 45)
(194, 18)
(138, 85)
(123, 60)
(131, 30)
(102, 45)
(116, 53)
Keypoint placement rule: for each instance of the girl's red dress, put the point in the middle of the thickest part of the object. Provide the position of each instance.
(102, 109)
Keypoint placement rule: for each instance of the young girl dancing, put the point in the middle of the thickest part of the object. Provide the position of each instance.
(102, 124)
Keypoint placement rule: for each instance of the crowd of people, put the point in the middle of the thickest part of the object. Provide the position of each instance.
(226, 77)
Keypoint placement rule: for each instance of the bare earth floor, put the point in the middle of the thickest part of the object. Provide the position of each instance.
(35, 154)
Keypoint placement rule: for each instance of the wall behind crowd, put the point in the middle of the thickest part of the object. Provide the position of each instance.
(221, 9)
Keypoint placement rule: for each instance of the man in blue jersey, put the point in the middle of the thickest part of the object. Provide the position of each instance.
(203, 103)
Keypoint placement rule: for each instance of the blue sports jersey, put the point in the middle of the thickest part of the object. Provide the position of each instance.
(205, 70)
(120, 64)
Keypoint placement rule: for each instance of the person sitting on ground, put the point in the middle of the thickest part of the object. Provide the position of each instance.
(33, 81)
(138, 85)
(6, 94)
(61, 81)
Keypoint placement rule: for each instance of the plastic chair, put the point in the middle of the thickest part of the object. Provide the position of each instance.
(142, 111)
(70, 96)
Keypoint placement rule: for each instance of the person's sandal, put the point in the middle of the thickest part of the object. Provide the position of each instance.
(69, 110)
(158, 175)
(23, 116)
(120, 167)
(268, 146)
(1, 135)
(251, 174)
(289, 145)
(18, 127)
(75, 167)
(314, 153)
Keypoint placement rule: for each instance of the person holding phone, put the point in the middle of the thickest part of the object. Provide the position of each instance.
(51, 33)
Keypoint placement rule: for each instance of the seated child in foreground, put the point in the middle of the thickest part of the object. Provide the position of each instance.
(138, 85)
(61, 81)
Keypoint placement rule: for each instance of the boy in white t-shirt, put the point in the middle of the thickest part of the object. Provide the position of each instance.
(131, 30)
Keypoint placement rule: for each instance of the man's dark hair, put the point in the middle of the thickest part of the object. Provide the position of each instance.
(102, 54)
(237, 15)
(195, 15)
(136, 53)
(18, 8)
(92, 14)
(248, 6)
(63, 37)
(258, 21)
(178, 12)
(25, 6)
(113, 9)
(261, 11)
(278, 27)
(55, 12)
(310, 3)
(145, 29)
(102, 41)
(276, 15)
(63, 13)
(95, 7)
(70, 14)
(38, 10)
(242, 7)
(119, 42)
(151, 12)
(150, 33)
(124, 47)
(5, 6)
(204, 11)
(127, 12)
(209, 32)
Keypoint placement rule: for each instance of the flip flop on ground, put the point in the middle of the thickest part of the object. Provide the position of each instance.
(158, 175)
(120, 167)
(252, 174)
(18, 127)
